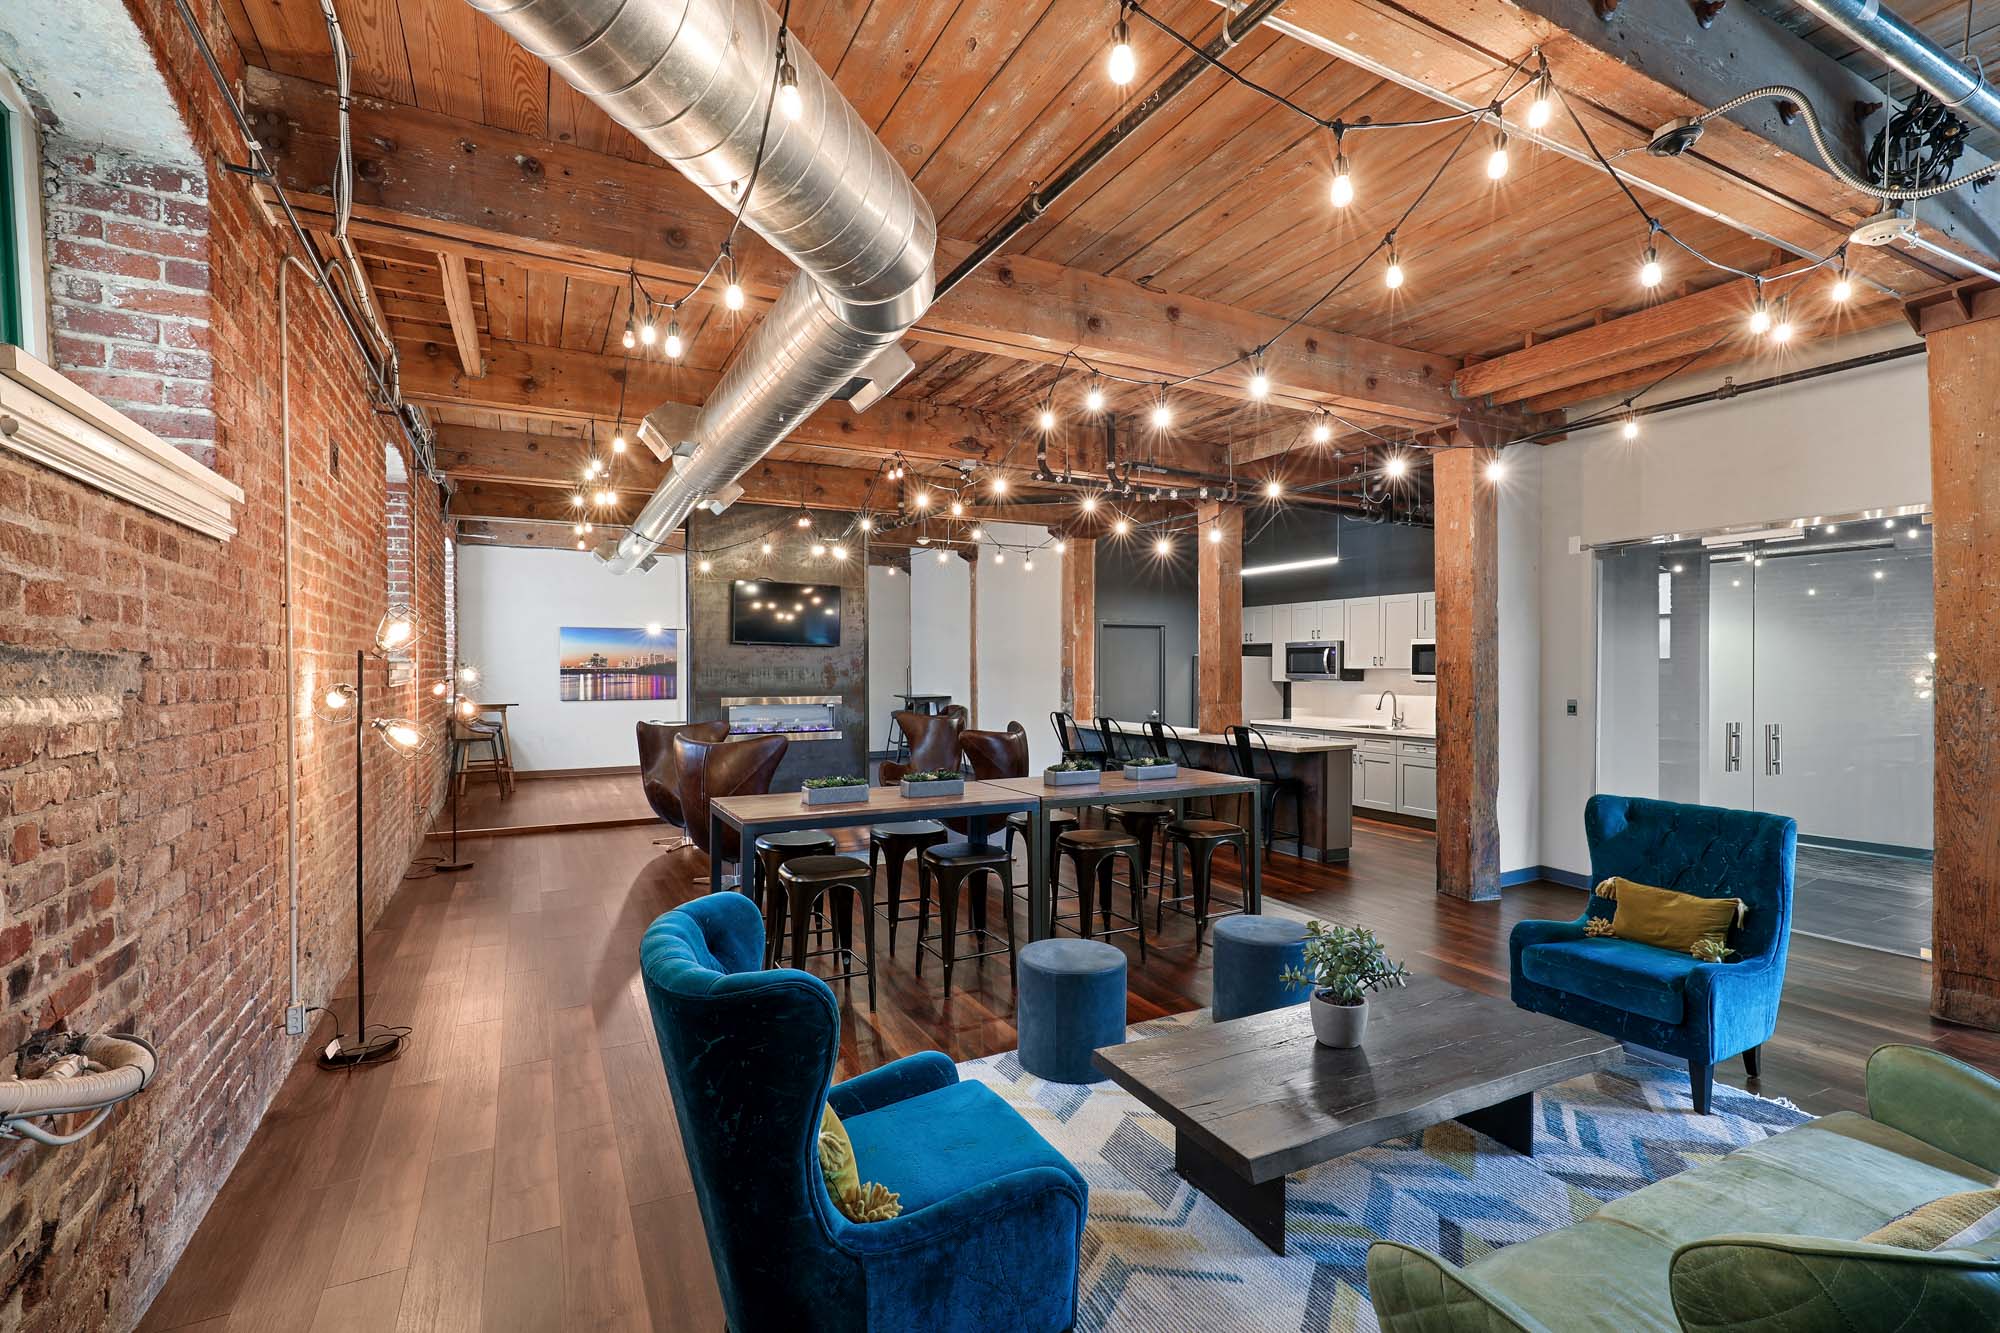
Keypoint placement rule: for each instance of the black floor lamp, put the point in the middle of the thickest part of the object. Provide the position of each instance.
(463, 709)
(397, 630)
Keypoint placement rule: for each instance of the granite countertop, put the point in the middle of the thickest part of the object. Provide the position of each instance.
(1356, 726)
(1280, 744)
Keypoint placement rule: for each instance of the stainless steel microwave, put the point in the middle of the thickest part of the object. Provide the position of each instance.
(1423, 659)
(1317, 661)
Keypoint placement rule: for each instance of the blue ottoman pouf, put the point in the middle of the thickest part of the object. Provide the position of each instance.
(1069, 998)
(1250, 952)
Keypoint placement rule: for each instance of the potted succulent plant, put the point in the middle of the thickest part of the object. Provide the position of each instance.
(1071, 773)
(1343, 964)
(933, 782)
(1150, 766)
(834, 790)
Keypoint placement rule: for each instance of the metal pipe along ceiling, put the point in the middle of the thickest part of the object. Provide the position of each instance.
(1868, 23)
(692, 79)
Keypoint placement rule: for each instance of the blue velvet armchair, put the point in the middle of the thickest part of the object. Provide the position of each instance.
(992, 1215)
(1702, 1012)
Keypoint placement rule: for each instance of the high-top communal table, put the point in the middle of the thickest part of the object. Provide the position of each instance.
(1114, 788)
(1255, 1098)
(778, 812)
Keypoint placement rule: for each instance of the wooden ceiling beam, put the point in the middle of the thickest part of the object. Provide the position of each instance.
(432, 182)
(458, 306)
(1641, 67)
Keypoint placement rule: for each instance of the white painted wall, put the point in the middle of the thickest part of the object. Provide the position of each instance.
(940, 625)
(1357, 698)
(888, 649)
(1020, 639)
(512, 602)
(1520, 649)
(1847, 442)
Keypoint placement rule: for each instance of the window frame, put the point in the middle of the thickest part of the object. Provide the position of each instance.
(24, 321)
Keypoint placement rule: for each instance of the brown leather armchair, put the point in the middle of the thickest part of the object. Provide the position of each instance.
(709, 769)
(933, 742)
(657, 774)
(996, 754)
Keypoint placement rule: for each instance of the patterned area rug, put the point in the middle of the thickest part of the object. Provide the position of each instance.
(1159, 1256)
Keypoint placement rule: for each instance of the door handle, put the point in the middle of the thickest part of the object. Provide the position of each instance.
(1774, 749)
(1733, 747)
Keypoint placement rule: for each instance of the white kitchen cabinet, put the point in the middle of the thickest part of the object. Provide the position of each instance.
(1256, 624)
(1416, 779)
(1399, 626)
(1427, 615)
(1332, 621)
(1365, 644)
(1283, 631)
(1375, 776)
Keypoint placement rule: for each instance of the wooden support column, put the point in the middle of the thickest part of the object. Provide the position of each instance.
(1079, 628)
(1965, 491)
(1219, 609)
(1467, 567)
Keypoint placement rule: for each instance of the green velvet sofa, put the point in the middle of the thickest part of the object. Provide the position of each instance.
(1765, 1239)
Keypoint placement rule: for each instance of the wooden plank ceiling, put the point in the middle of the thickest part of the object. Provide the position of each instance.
(1221, 197)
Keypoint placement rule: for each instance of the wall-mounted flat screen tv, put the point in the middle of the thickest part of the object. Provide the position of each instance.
(788, 614)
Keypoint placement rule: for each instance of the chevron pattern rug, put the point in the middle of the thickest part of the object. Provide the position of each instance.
(1158, 1256)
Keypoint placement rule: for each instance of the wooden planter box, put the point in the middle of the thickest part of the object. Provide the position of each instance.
(1075, 777)
(944, 787)
(1151, 772)
(834, 795)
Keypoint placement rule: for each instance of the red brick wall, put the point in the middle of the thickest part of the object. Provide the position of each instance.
(143, 707)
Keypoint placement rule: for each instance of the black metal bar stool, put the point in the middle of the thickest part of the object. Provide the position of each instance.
(895, 842)
(1060, 822)
(945, 870)
(1201, 839)
(803, 883)
(1092, 852)
(773, 850)
(1251, 754)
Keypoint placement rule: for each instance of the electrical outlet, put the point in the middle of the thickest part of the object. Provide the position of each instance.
(1572, 708)
(295, 1021)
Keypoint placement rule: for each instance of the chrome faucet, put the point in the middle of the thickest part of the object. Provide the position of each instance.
(1395, 710)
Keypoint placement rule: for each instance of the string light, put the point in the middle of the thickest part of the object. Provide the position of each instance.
(840, 553)
(1543, 108)
(789, 101)
(1122, 65)
(1782, 327)
(1496, 470)
(706, 567)
(618, 443)
(865, 523)
(579, 543)
(732, 295)
(767, 548)
(999, 485)
(978, 534)
(1121, 527)
(941, 557)
(1027, 564)
(1630, 430)
(1046, 419)
(1093, 397)
(1163, 547)
(1000, 557)
(1061, 546)
(1650, 272)
(674, 344)
(606, 498)
(1273, 489)
(1843, 286)
(1163, 416)
(805, 520)
(631, 338)
(576, 529)
(1342, 192)
(1392, 276)
(576, 500)
(1088, 504)
(1321, 431)
(1760, 313)
(957, 509)
(590, 467)
(1496, 161)
(1214, 533)
(648, 334)
(818, 549)
(1397, 465)
(1260, 383)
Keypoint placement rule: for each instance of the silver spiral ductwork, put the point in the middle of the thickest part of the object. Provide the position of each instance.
(692, 79)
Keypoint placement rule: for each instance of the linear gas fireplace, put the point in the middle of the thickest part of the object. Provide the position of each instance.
(802, 717)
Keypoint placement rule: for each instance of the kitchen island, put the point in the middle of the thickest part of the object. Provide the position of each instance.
(1323, 763)
(1394, 768)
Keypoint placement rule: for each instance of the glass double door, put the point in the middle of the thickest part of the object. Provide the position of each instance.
(1790, 674)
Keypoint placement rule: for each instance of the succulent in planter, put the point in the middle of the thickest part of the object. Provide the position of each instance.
(1073, 766)
(1342, 965)
(934, 775)
(1149, 761)
(815, 784)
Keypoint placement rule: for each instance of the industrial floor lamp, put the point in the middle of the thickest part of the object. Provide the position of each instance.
(397, 630)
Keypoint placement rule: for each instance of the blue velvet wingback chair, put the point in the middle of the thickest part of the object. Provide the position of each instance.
(992, 1215)
(1701, 1012)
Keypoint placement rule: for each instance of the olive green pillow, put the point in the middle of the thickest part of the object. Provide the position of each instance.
(859, 1202)
(1950, 1223)
(1663, 917)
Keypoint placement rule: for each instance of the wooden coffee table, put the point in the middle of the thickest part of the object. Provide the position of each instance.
(1256, 1098)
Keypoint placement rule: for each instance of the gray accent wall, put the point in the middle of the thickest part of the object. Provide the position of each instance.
(1375, 558)
(1136, 587)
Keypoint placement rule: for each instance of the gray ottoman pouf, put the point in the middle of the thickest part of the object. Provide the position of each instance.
(1249, 953)
(1069, 998)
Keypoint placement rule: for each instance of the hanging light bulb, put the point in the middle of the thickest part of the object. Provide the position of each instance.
(590, 467)
(1123, 64)
(576, 500)
(818, 549)
(1843, 286)
(606, 498)
(978, 534)
(588, 529)
(1162, 416)
(649, 333)
(675, 344)
(1630, 430)
(576, 529)
(1260, 383)
(766, 548)
(1273, 489)
(631, 338)
(1496, 470)
(865, 523)
(1027, 564)
(1093, 397)
(337, 698)
(1321, 431)
(1342, 193)
(1121, 527)
(1088, 504)
(1046, 418)
(805, 520)
(922, 500)
(941, 557)
(1397, 465)
(1163, 547)
(618, 442)
(1214, 532)
(958, 509)
(1760, 315)
(1061, 546)
(1496, 161)
(579, 543)
(1543, 108)
(1392, 276)
(1782, 327)
(732, 295)
(1000, 556)
(999, 485)
(789, 100)
(706, 566)
(1650, 272)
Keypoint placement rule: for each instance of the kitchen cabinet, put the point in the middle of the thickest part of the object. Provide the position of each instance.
(1399, 626)
(1365, 644)
(1375, 775)
(1257, 624)
(1427, 615)
(1332, 621)
(1416, 779)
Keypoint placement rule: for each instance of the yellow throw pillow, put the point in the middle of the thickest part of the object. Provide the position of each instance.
(858, 1202)
(1663, 917)
(1950, 1223)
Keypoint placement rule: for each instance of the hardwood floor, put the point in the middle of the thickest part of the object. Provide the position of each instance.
(520, 1167)
(552, 804)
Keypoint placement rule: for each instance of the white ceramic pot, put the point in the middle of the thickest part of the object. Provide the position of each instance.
(1339, 1025)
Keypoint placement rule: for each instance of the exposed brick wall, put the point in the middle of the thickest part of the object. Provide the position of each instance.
(127, 247)
(143, 754)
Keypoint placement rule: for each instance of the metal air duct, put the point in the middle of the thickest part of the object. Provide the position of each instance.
(1870, 24)
(693, 80)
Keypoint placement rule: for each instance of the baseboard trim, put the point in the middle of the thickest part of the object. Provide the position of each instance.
(534, 774)
(1529, 874)
(1901, 853)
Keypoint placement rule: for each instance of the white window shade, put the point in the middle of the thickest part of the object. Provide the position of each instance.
(46, 418)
